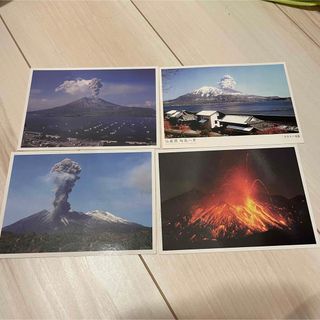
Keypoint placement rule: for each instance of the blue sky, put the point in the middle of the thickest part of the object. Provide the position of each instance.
(129, 87)
(119, 183)
(264, 80)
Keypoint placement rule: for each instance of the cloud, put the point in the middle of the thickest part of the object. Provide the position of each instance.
(136, 179)
(227, 82)
(80, 85)
(119, 89)
(140, 177)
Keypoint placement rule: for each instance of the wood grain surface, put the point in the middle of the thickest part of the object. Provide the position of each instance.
(250, 285)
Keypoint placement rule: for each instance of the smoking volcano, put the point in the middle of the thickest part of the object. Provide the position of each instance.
(240, 206)
(62, 229)
(235, 201)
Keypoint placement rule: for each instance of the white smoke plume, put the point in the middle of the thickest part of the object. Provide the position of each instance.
(227, 82)
(65, 174)
(80, 85)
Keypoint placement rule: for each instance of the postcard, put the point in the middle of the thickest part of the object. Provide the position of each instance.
(76, 202)
(227, 105)
(234, 199)
(91, 108)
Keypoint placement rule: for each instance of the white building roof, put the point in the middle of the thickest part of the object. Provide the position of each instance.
(171, 112)
(206, 113)
(236, 119)
(246, 129)
(177, 114)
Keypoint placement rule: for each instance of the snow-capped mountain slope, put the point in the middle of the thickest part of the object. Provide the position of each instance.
(72, 221)
(213, 91)
(207, 91)
(211, 95)
(106, 216)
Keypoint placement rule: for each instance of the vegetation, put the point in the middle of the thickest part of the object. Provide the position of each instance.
(72, 242)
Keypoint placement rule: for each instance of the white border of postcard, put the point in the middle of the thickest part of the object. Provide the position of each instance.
(232, 249)
(83, 253)
(204, 142)
(158, 131)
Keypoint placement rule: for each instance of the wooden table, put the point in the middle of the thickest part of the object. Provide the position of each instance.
(268, 284)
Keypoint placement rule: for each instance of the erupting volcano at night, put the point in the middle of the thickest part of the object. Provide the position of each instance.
(233, 198)
(236, 209)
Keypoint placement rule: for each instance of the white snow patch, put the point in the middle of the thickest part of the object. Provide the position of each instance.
(106, 216)
(208, 91)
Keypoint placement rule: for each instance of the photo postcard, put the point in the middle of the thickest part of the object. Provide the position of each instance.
(233, 199)
(78, 202)
(91, 108)
(227, 105)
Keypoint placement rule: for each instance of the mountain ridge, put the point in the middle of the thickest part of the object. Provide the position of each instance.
(210, 94)
(45, 221)
(92, 106)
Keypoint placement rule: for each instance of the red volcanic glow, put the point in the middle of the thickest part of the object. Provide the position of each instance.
(237, 208)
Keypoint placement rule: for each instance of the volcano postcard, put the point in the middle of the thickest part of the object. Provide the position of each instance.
(91, 108)
(235, 199)
(78, 203)
(227, 105)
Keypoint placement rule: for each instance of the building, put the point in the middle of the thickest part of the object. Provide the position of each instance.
(173, 114)
(209, 118)
(180, 117)
(239, 123)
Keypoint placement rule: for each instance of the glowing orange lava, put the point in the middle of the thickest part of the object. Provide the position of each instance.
(237, 208)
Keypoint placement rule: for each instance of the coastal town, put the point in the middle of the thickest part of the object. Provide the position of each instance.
(210, 123)
(102, 134)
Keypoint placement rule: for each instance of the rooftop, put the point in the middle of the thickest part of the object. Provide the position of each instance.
(207, 113)
(236, 119)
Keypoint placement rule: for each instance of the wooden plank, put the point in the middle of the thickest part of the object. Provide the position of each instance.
(13, 82)
(247, 285)
(282, 284)
(86, 287)
(306, 19)
(84, 34)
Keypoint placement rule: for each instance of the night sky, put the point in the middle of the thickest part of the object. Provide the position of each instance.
(181, 172)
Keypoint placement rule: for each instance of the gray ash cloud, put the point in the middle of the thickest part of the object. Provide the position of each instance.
(64, 174)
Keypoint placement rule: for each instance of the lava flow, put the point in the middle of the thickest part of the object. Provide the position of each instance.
(239, 208)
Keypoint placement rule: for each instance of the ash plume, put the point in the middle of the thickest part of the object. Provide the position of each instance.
(65, 174)
(95, 85)
(227, 82)
(81, 86)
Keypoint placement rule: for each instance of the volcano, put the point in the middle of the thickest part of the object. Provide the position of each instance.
(93, 221)
(73, 231)
(212, 95)
(238, 211)
(90, 121)
(92, 106)
(240, 206)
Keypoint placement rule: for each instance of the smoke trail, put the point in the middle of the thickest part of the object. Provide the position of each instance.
(95, 85)
(65, 174)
